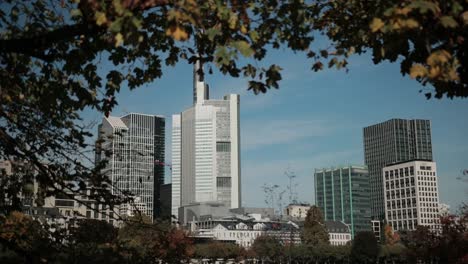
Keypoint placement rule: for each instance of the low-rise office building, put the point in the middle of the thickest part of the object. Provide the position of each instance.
(411, 195)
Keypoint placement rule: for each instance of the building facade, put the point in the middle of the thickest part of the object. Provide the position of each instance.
(393, 141)
(376, 229)
(133, 146)
(339, 234)
(297, 211)
(411, 195)
(206, 150)
(244, 231)
(342, 194)
(166, 199)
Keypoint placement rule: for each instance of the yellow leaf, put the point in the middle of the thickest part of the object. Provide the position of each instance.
(434, 72)
(438, 57)
(453, 74)
(100, 18)
(411, 23)
(232, 21)
(243, 29)
(376, 24)
(396, 24)
(177, 33)
(464, 17)
(418, 70)
(118, 39)
(403, 11)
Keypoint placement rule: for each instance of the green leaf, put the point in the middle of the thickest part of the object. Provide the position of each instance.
(448, 22)
(254, 35)
(212, 33)
(243, 47)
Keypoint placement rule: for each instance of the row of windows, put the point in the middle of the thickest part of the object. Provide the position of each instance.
(403, 225)
(395, 194)
(427, 199)
(340, 236)
(434, 205)
(401, 203)
(223, 146)
(399, 183)
(427, 191)
(400, 172)
(426, 173)
(402, 214)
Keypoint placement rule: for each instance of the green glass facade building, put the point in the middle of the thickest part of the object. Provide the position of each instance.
(343, 194)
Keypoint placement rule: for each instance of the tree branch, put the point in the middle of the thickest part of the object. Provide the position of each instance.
(37, 45)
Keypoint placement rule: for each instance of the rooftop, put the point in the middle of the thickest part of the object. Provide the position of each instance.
(116, 122)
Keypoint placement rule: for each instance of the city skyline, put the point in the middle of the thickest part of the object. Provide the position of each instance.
(301, 122)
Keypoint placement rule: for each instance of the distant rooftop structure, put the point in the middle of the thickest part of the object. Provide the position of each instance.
(297, 211)
(116, 122)
(336, 227)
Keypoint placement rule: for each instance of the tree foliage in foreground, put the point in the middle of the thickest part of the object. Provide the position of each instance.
(365, 248)
(267, 248)
(91, 241)
(428, 38)
(141, 242)
(219, 250)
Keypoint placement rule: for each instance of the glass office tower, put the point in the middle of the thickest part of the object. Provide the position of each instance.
(135, 145)
(342, 193)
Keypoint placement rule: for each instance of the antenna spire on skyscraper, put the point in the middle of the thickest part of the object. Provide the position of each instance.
(200, 89)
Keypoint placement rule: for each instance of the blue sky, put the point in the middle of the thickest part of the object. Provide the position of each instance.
(314, 120)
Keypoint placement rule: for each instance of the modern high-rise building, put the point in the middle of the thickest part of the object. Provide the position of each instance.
(342, 193)
(206, 150)
(135, 147)
(411, 195)
(393, 141)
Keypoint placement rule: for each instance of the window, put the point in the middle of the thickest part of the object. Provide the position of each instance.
(68, 203)
(223, 146)
(223, 182)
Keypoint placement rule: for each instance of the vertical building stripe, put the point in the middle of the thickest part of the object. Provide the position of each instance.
(351, 202)
(341, 194)
(324, 195)
(333, 194)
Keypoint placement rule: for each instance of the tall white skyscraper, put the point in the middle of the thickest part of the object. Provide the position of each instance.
(135, 143)
(206, 149)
